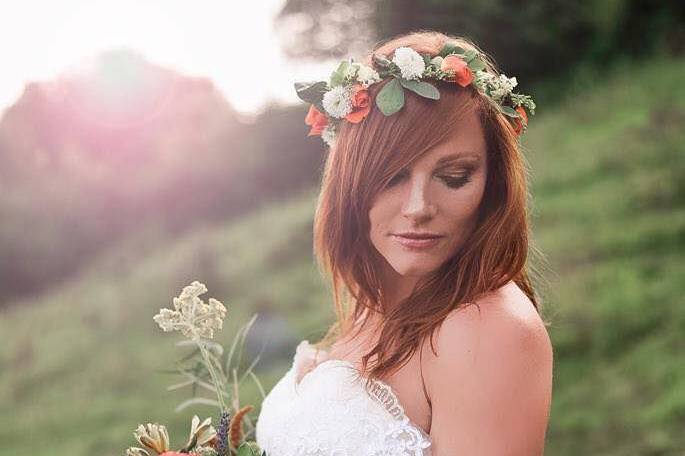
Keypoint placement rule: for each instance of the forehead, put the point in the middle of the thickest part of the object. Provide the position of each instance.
(466, 142)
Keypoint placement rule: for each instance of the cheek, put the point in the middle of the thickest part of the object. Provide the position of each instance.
(377, 220)
(380, 218)
(461, 210)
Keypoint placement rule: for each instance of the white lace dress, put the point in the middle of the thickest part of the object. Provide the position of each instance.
(330, 413)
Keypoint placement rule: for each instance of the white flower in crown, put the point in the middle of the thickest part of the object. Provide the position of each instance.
(410, 63)
(328, 135)
(338, 102)
(502, 87)
(482, 79)
(367, 75)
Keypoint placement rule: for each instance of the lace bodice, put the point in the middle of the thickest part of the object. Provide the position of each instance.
(330, 413)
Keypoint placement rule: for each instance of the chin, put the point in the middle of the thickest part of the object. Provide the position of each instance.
(414, 268)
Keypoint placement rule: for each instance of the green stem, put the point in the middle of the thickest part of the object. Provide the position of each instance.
(212, 373)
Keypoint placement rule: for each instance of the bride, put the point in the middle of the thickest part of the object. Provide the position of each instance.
(421, 224)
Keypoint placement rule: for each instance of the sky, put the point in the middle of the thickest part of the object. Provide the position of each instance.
(39, 39)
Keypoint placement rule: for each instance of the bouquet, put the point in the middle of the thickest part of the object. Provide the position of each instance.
(205, 367)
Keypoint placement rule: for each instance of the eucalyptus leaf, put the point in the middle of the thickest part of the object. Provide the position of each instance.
(422, 88)
(511, 112)
(476, 65)
(381, 62)
(470, 55)
(338, 76)
(450, 48)
(312, 92)
(391, 97)
(437, 61)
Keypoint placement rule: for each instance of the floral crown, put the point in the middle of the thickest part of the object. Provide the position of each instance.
(345, 96)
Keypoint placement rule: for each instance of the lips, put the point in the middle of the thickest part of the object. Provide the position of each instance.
(418, 235)
(417, 242)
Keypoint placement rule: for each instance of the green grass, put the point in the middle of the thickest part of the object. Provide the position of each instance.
(609, 212)
(80, 364)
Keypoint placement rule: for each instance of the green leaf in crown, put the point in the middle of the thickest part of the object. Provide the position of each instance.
(312, 92)
(470, 55)
(391, 97)
(494, 86)
(450, 48)
(476, 64)
(381, 62)
(384, 66)
(338, 76)
(511, 112)
(422, 88)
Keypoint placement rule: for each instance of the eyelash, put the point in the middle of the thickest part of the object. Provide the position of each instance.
(451, 181)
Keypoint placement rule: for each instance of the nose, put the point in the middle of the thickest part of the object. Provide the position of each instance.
(418, 206)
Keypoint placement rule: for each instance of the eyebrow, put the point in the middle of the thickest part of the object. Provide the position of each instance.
(463, 155)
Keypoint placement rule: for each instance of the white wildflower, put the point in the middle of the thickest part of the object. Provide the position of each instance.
(338, 102)
(192, 316)
(193, 290)
(328, 135)
(410, 62)
(367, 75)
(168, 319)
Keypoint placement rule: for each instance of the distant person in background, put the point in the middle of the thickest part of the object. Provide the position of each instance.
(422, 225)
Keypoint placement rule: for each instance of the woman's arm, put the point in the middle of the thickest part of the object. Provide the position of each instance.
(491, 383)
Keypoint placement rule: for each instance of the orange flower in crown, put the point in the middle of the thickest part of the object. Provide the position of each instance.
(360, 104)
(316, 120)
(344, 96)
(522, 122)
(456, 65)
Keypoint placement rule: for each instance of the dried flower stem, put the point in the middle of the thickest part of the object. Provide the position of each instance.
(218, 385)
(236, 428)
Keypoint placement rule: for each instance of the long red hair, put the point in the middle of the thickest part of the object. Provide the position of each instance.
(365, 156)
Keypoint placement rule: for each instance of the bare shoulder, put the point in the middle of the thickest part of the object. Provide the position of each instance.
(491, 379)
(506, 318)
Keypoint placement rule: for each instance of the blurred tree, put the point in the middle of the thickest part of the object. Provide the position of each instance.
(325, 28)
(84, 163)
(532, 39)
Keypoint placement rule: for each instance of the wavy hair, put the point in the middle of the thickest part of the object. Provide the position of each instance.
(365, 156)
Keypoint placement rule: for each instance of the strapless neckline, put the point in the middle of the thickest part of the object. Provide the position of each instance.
(383, 392)
(332, 411)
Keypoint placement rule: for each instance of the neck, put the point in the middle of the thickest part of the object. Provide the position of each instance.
(396, 287)
(398, 290)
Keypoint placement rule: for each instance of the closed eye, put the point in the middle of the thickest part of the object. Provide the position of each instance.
(396, 179)
(450, 181)
(456, 181)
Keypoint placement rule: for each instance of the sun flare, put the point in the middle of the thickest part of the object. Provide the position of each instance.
(214, 39)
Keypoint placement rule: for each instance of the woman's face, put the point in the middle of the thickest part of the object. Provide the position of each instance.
(438, 195)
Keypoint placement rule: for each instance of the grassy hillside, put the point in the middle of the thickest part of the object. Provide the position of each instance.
(609, 191)
(79, 366)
